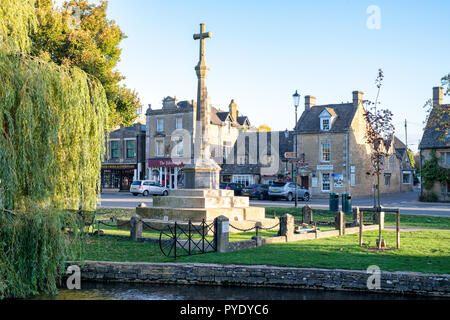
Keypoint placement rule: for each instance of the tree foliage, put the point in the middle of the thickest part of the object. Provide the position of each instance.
(17, 20)
(52, 129)
(432, 172)
(53, 122)
(81, 35)
(379, 129)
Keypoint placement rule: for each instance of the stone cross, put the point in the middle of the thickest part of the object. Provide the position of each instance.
(203, 172)
(202, 36)
(203, 112)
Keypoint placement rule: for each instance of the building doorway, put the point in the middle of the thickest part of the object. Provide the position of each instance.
(304, 182)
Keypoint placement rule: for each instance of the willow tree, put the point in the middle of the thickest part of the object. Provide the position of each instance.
(53, 121)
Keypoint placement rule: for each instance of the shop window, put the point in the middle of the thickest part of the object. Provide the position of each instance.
(325, 182)
(246, 180)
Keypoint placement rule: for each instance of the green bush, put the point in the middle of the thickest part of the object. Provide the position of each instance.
(428, 197)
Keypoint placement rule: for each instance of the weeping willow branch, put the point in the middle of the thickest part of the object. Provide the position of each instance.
(53, 121)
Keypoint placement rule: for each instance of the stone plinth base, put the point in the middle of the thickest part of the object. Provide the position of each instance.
(204, 174)
(199, 204)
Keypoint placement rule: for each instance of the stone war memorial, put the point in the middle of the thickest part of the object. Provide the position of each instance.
(202, 198)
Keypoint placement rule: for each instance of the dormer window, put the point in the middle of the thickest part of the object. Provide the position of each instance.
(326, 119)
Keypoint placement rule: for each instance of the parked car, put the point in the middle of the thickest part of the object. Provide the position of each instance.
(237, 187)
(257, 191)
(286, 190)
(147, 187)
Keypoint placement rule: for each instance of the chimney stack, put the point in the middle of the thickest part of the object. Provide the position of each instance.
(437, 96)
(233, 109)
(310, 101)
(358, 97)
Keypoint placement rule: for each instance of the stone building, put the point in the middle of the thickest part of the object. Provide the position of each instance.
(125, 157)
(336, 155)
(169, 138)
(437, 141)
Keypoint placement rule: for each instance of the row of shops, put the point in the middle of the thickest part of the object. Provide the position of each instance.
(164, 170)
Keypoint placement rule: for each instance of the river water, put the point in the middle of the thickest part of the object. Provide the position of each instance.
(133, 291)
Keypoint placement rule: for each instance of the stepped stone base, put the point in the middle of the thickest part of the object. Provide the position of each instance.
(199, 204)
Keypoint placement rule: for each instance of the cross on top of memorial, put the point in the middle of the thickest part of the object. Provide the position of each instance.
(202, 36)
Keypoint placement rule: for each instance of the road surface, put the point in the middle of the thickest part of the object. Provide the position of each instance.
(407, 202)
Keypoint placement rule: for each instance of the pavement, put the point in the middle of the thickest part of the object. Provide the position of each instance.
(407, 203)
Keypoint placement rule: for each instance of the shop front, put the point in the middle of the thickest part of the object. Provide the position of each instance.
(118, 176)
(167, 172)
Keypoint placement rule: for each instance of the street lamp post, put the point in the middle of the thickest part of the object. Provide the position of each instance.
(296, 98)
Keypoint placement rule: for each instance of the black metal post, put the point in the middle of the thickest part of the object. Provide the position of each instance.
(203, 235)
(176, 240)
(189, 237)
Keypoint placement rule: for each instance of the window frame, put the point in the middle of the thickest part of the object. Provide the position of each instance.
(116, 142)
(127, 149)
(159, 124)
(178, 123)
(322, 153)
(157, 149)
(403, 177)
(322, 125)
(329, 182)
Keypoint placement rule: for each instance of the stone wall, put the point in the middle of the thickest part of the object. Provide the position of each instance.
(262, 275)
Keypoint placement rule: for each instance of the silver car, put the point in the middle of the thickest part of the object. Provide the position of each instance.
(147, 187)
(286, 190)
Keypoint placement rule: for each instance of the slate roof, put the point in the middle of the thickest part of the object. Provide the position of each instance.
(241, 120)
(432, 139)
(219, 116)
(309, 121)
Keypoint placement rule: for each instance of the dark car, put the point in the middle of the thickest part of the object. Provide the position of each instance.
(257, 191)
(237, 187)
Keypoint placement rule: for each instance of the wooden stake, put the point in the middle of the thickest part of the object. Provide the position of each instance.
(398, 228)
(361, 223)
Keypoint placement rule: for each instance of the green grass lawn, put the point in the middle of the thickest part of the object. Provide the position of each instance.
(421, 251)
(412, 221)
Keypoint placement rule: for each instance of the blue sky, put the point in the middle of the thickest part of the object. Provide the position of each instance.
(262, 51)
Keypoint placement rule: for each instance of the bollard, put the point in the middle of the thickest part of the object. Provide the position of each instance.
(356, 218)
(135, 227)
(287, 226)
(340, 222)
(307, 214)
(222, 233)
